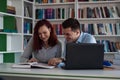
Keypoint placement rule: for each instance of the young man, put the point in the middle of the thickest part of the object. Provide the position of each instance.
(73, 33)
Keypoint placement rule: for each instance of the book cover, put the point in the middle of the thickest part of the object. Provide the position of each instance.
(9, 24)
(9, 58)
(3, 5)
(3, 42)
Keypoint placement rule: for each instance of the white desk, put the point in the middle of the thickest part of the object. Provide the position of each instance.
(55, 74)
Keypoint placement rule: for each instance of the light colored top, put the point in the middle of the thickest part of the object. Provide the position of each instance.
(86, 38)
(42, 55)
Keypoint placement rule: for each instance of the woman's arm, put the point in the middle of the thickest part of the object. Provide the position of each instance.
(57, 59)
(27, 51)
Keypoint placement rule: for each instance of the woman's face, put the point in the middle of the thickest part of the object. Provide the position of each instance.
(44, 33)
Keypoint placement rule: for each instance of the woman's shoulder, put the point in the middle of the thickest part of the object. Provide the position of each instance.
(59, 43)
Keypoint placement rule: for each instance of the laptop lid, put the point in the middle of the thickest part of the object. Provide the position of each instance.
(84, 56)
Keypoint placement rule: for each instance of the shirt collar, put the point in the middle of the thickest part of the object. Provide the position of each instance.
(80, 38)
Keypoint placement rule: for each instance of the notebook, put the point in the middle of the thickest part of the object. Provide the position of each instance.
(84, 56)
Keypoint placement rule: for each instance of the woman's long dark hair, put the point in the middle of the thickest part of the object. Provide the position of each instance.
(37, 42)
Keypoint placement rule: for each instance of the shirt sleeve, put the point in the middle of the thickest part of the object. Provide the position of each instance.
(27, 51)
(59, 49)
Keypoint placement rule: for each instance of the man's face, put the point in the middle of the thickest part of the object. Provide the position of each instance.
(70, 35)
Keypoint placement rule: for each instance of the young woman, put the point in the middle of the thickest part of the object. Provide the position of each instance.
(43, 46)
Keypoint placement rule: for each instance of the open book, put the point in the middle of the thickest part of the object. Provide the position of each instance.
(32, 65)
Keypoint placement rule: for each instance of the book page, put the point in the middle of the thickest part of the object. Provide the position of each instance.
(43, 65)
(21, 66)
(32, 65)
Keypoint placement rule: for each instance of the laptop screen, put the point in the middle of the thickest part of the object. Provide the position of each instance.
(84, 56)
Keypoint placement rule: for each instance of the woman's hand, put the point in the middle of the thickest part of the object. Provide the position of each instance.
(33, 60)
(54, 61)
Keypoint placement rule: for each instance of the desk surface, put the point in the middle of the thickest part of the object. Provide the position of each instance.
(6, 70)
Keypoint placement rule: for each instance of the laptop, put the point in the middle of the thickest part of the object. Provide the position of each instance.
(84, 56)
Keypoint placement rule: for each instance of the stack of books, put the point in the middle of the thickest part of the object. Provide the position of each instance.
(11, 10)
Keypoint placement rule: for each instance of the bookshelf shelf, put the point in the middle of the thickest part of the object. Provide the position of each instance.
(7, 14)
(28, 18)
(12, 34)
(55, 4)
(27, 34)
(44, 6)
(99, 20)
(19, 51)
(60, 36)
(111, 36)
(98, 3)
(110, 53)
(54, 21)
(28, 1)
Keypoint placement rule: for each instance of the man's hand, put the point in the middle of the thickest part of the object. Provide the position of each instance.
(54, 61)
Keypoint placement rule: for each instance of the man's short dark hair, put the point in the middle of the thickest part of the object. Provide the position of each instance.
(71, 23)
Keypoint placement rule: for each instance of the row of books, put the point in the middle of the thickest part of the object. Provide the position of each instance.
(58, 29)
(101, 29)
(99, 12)
(62, 1)
(94, 29)
(57, 13)
(28, 27)
(87, 12)
(53, 1)
(11, 10)
(110, 46)
(6, 8)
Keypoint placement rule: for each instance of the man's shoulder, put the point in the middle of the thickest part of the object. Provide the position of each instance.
(87, 34)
